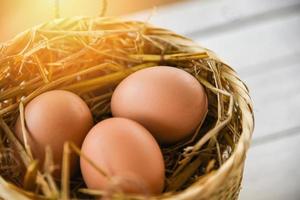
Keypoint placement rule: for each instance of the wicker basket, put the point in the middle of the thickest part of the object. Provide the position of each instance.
(90, 56)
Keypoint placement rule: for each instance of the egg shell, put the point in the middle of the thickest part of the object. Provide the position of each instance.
(167, 101)
(127, 153)
(53, 118)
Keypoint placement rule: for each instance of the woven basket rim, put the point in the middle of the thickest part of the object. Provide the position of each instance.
(237, 158)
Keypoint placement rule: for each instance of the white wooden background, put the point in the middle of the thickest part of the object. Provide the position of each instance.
(261, 40)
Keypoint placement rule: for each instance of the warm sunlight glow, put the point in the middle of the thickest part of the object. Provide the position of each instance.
(21, 14)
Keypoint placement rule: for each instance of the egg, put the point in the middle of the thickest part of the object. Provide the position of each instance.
(167, 101)
(127, 153)
(53, 118)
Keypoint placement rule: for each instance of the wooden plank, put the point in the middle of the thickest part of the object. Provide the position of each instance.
(272, 171)
(276, 96)
(198, 16)
(257, 43)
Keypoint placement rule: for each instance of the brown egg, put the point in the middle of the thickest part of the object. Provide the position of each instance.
(127, 153)
(168, 101)
(53, 118)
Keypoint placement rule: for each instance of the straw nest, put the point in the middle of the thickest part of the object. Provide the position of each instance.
(90, 56)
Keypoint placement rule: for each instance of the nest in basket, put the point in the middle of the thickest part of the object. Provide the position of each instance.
(88, 55)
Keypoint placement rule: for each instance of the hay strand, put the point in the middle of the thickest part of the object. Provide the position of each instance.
(30, 176)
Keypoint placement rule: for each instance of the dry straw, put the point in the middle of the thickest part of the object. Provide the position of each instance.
(90, 56)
